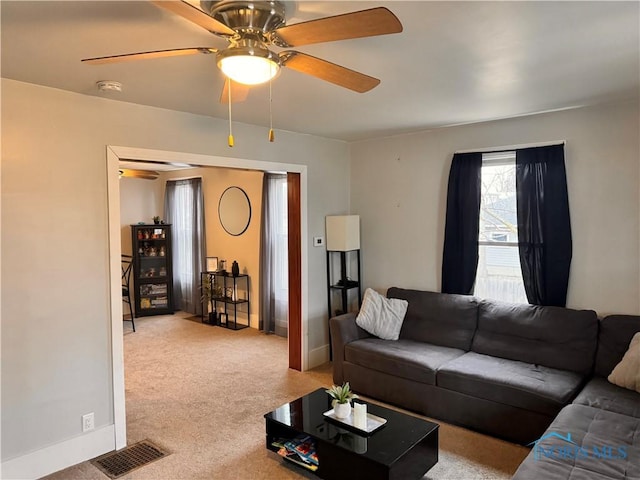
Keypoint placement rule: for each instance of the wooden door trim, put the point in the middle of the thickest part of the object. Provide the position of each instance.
(295, 270)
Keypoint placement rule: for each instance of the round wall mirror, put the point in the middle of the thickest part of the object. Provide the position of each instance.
(234, 211)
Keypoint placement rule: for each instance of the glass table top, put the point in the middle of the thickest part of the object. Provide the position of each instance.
(385, 445)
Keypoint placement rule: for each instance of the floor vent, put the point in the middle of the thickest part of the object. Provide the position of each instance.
(117, 464)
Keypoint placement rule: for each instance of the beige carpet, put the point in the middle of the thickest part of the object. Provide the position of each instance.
(201, 392)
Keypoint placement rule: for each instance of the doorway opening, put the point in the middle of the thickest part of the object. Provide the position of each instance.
(298, 285)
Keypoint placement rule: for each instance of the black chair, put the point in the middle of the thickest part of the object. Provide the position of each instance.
(127, 265)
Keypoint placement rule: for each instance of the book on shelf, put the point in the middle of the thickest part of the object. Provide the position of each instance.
(159, 289)
(159, 302)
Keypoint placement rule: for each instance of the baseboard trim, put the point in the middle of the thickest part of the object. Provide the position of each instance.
(318, 356)
(59, 456)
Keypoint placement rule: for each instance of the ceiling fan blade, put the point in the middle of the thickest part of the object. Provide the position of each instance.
(365, 23)
(239, 92)
(330, 72)
(147, 55)
(195, 15)
(145, 174)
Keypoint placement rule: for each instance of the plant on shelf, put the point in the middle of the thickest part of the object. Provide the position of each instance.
(207, 296)
(342, 396)
(156, 220)
(205, 287)
(209, 292)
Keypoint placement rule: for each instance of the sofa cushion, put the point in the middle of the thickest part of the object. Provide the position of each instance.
(627, 372)
(599, 393)
(403, 358)
(510, 382)
(616, 332)
(381, 316)
(438, 318)
(604, 445)
(551, 336)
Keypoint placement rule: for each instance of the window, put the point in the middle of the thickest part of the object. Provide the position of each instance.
(274, 301)
(184, 210)
(499, 275)
(280, 254)
(532, 220)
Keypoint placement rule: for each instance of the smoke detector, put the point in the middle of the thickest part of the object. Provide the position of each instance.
(109, 86)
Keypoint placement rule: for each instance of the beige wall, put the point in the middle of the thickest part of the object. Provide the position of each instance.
(56, 333)
(245, 248)
(398, 187)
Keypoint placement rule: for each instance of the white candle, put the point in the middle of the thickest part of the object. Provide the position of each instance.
(360, 415)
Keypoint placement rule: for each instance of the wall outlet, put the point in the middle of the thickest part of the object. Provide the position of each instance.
(88, 422)
(318, 241)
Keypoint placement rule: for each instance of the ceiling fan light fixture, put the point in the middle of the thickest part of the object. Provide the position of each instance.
(249, 66)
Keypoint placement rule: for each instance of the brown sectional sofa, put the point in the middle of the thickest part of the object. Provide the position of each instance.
(502, 369)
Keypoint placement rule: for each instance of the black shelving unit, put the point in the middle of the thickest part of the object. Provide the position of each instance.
(342, 282)
(232, 294)
(152, 269)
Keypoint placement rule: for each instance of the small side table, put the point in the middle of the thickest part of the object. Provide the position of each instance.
(235, 294)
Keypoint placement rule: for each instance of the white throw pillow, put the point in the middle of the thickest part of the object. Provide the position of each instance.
(627, 372)
(381, 316)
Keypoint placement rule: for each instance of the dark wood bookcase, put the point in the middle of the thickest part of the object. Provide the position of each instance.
(152, 269)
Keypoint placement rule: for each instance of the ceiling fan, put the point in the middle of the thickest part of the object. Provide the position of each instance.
(133, 173)
(252, 27)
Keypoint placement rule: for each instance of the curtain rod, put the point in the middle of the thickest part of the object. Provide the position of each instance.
(512, 147)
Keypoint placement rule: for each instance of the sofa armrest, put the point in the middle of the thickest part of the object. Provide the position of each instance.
(343, 330)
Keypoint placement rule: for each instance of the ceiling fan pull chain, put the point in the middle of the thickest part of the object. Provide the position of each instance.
(230, 139)
(272, 136)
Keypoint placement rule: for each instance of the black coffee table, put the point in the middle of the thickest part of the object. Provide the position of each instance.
(404, 448)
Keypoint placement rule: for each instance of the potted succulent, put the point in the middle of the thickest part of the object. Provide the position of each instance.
(342, 396)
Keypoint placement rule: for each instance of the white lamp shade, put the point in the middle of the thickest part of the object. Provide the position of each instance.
(248, 69)
(343, 233)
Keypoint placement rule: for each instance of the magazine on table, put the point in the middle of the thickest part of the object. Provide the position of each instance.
(301, 450)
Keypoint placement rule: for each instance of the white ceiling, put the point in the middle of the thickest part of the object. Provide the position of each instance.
(455, 62)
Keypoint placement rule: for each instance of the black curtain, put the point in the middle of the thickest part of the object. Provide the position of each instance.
(544, 226)
(460, 255)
